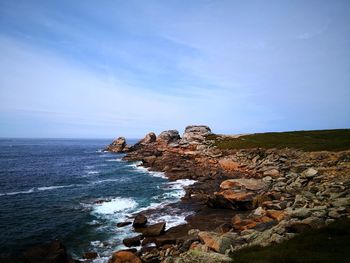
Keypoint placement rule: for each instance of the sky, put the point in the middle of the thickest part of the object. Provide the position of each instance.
(102, 69)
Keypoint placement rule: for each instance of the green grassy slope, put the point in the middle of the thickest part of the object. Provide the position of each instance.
(327, 245)
(318, 140)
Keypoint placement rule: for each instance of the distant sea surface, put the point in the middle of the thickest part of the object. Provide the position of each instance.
(73, 191)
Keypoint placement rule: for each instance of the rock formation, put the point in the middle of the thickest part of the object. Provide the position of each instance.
(118, 146)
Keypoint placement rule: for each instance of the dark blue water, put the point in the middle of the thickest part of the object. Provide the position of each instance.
(73, 191)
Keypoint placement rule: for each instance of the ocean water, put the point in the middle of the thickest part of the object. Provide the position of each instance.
(73, 191)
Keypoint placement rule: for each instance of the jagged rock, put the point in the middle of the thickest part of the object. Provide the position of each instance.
(54, 252)
(152, 230)
(117, 145)
(124, 257)
(139, 221)
(169, 136)
(149, 138)
(133, 241)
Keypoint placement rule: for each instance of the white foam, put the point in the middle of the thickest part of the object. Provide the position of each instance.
(115, 205)
(114, 160)
(31, 190)
(45, 188)
(109, 180)
(92, 172)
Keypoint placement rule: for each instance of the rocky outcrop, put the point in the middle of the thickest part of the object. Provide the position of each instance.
(118, 146)
(195, 134)
(170, 136)
(152, 230)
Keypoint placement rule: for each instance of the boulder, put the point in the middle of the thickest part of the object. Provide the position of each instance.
(249, 184)
(133, 241)
(228, 164)
(231, 199)
(217, 242)
(124, 257)
(195, 134)
(117, 145)
(139, 221)
(309, 173)
(272, 173)
(152, 230)
(169, 136)
(54, 252)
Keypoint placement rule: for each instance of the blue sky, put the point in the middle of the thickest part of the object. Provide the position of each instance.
(108, 68)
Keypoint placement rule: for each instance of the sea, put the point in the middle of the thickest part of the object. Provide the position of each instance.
(74, 191)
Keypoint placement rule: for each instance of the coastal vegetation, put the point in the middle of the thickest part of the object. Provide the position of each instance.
(328, 244)
(316, 140)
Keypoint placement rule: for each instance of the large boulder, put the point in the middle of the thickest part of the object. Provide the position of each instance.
(133, 241)
(117, 146)
(231, 199)
(243, 183)
(169, 136)
(152, 230)
(54, 252)
(124, 257)
(195, 134)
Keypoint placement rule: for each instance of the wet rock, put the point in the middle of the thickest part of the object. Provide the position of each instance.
(124, 257)
(122, 224)
(140, 221)
(133, 241)
(90, 255)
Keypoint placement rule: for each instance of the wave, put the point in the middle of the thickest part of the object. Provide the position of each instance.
(92, 172)
(38, 189)
(114, 160)
(110, 180)
(114, 205)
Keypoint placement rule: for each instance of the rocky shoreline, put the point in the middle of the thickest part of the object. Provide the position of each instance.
(241, 198)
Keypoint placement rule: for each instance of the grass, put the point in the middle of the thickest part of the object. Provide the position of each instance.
(317, 140)
(326, 245)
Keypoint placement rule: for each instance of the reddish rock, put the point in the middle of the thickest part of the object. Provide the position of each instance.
(228, 164)
(276, 214)
(124, 257)
(117, 145)
(249, 184)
